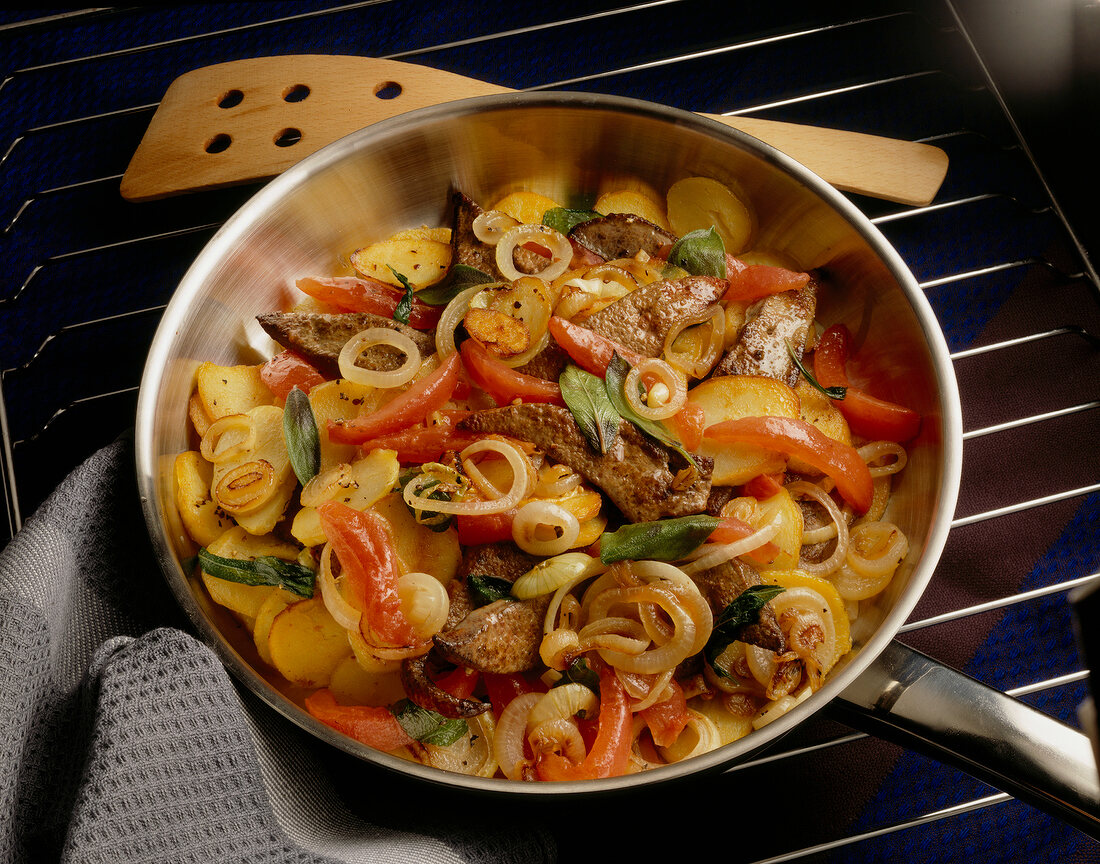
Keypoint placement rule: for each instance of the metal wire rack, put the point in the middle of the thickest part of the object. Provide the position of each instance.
(88, 275)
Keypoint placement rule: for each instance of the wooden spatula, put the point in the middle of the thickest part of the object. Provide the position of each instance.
(249, 120)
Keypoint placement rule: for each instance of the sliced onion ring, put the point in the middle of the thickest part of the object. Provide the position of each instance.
(357, 344)
(664, 373)
(536, 517)
(210, 447)
(246, 488)
(833, 562)
(346, 615)
(490, 225)
(699, 367)
(522, 471)
(561, 251)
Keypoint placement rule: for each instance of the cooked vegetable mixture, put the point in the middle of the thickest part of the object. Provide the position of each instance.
(550, 494)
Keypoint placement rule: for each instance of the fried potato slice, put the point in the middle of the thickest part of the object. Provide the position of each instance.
(359, 485)
(730, 397)
(306, 644)
(225, 390)
(527, 207)
(632, 201)
(201, 516)
(237, 543)
(700, 202)
(420, 259)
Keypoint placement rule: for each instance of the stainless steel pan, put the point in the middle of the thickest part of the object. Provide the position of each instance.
(398, 173)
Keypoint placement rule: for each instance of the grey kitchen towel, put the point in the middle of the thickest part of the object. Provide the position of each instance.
(124, 740)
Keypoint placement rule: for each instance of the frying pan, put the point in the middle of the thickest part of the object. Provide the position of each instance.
(398, 173)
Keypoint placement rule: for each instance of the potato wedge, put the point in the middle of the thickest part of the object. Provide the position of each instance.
(789, 538)
(730, 397)
(339, 399)
(201, 516)
(225, 390)
(420, 549)
(819, 411)
(632, 201)
(366, 481)
(305, 643)
(527, 207)
(237, 543)
(200, 420)
(421, 260)
(436, 235)
(275, 603)
(276, 476)
(731, 727)
(702, 202)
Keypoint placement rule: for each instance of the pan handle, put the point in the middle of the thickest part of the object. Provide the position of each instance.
(912, 700)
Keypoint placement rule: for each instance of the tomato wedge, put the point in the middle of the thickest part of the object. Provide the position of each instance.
(460, 682)
(667, 719)
(502, 382)
(287, 370)
(361, 294)
(688, 423)
(476, 529)
(588, 349)
(867, 415)
(502, 688)
(798, 438)
(428, 394)
(610, 752)
(368, 560)
(375, 727)
(420, 444)
(754, 281)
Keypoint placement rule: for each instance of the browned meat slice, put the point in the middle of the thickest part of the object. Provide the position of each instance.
(723, 584)
(761, 348)
(639, 477)
(492, 638)
(643, 318)
(621, 235)
(468, 250)
(502, 637)
(319, 337)
(549, 363)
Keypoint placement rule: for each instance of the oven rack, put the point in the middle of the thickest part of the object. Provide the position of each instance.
(994, 233)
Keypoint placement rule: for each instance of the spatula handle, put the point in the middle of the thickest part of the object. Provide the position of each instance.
(250, 120)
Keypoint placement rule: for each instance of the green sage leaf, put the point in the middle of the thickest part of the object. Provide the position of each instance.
(662, 540)
(563, 219)
(303, 443)
(486, 589)
(404, 305)
(461, 277)
(264, 570)
(579, 672)
(427, 726)
(738, 615)
(828, 392)
(614, 382)
(701, 253)
(587, 398)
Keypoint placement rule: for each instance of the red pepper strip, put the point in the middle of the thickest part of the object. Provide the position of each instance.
(732, 528)
(588, 349)
(754, 281)
(763, 486)
(502, 382)
(867, 415)
(362, 542)
(287, 370)
(419, 444)
(476, 529)
(503, 688)
(375, 727)
(687, 423)
(460, 682)
(428, 394)
(361, 294)
(667, 719)
(798, 438)
(609, 754)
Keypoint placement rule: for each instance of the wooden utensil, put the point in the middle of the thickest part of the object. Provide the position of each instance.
(249, 120)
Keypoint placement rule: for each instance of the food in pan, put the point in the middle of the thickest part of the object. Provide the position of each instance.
(550, 493)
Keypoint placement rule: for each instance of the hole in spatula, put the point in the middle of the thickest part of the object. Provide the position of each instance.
(388, 90)
(219, 143)
(231, 99)
(297, 93)
(288, 137)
